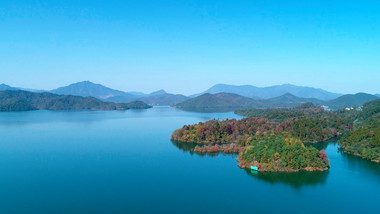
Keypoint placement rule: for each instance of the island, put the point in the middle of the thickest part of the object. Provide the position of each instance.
(18, 100)
(274, 139)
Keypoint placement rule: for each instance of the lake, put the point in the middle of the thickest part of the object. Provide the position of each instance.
(124, 162)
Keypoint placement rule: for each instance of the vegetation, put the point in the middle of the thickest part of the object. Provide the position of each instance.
(282, 154)
(364, 140)
(272, 139)
(25, 101)
(309, 125)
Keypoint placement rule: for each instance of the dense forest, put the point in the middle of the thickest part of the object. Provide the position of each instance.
(282, 154)
(270, 138)
(26, 101)
(307, 123)
(364, 140)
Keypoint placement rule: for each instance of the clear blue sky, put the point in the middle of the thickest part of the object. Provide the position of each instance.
(187, 46)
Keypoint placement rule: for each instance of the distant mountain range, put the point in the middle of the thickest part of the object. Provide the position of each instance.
(229, 102)
(217, 103)
(272, 91)
(87, 88)
(217, 97)
(18, 100)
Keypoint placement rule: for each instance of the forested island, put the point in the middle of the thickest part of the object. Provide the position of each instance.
(18, 100)
(273, 139)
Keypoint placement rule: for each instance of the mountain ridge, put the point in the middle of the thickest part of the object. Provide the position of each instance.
(18, 100)
(272, 91)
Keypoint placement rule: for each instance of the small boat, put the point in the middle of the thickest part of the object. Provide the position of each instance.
(254, 168)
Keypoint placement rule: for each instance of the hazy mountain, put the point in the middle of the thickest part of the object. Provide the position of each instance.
(350, 100)
(87, 88)
(4, 87)
(121, 99)
(24, 100)
(164, 99)
(217, 103)
(159, 92)
(32, 90)
(273, 91)
(242, 90)
(229, 102)
(288, 101)
(377, 95)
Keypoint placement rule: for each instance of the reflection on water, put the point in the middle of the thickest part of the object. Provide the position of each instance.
(356, 163)
(120, 161)
(322, 144)
(294, 179)
(189, 147)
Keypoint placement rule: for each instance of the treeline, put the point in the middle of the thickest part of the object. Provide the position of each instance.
(305, 128)
(364, 140)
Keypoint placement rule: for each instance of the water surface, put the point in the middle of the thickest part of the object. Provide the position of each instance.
(124, 162)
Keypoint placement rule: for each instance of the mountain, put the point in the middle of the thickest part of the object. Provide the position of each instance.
(219, 102)
(350, 100)
(377, 95)
(120, 99)
(24, 101)
(4, 87)
(164, 99)
(273, 91)
(159, 92)
(242, 90)
(87, 88)
(288, 101)
(228, 102)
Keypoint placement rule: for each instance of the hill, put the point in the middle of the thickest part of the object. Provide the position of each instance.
(272, 91)
(164, 99)
(229, 102)
(87, 88)
(4, 87)
(350, 100)
(159, 92)
(24, 101)
(217, 103)
(289, 101)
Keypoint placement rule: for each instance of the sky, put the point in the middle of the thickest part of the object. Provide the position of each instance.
(188, 46)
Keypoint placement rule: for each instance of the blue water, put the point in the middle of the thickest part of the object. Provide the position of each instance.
(124, 162)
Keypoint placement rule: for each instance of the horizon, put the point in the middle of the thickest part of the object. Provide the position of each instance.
(197, 93)
(186, 47)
